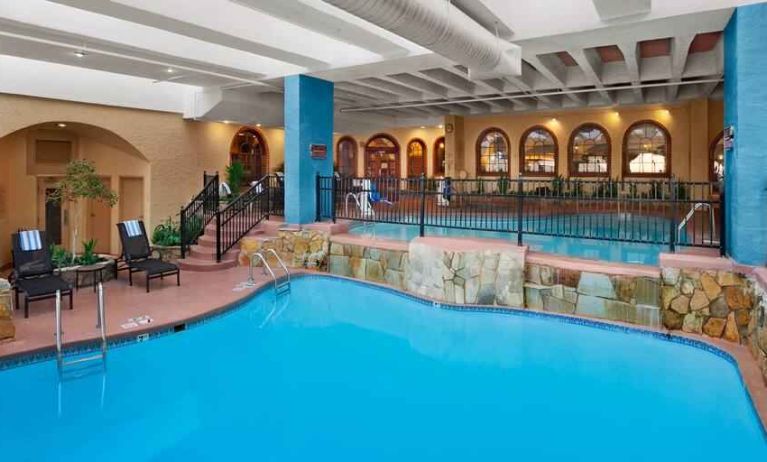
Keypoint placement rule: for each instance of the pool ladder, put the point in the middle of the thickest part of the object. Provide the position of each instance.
(695, 207)
(280, 286)
(100, 324)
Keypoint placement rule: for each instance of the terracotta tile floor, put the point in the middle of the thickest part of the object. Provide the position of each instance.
(167, 304)
(201, 293)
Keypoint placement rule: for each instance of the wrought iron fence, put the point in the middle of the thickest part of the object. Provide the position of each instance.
(199, 212)
(667, 212)
(241, 215)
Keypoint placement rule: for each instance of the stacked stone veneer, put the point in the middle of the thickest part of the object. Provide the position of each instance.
(386, 266)
(467, 272)
(7, 330)
(757, 329)
(632, 299)
(298, 248)
(715, 303)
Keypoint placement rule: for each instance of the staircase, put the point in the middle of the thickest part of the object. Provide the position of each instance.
(217, 246)
(202, 256)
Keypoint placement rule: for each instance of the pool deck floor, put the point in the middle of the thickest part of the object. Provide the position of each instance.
(202, 293)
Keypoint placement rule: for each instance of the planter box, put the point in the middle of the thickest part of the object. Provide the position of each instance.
(69, 273)
(168, 253)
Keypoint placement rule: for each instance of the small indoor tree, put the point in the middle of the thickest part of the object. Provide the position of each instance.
(80, 183)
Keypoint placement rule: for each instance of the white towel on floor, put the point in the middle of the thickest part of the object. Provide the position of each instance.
(30, 240)
(133, 228)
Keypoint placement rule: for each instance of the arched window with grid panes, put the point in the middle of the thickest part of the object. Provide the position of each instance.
(647, 150)
(589, 151)
(538, 152)
(493, 152)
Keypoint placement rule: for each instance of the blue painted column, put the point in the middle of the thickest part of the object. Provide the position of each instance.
(745, 108)
(308, 120)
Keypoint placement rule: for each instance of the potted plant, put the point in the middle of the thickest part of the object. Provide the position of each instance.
(235, 173)
(81, 182)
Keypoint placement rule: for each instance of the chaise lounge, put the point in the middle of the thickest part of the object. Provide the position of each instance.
(33, 271)
(137, 254)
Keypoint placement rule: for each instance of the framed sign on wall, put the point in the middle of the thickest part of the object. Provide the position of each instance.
(318, 151)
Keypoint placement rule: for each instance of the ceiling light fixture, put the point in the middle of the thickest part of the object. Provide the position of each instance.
(169, 70)
(258, 125)
(80, 54)
(226, 122)
(423, 126)
(61, 125)
(440, 126)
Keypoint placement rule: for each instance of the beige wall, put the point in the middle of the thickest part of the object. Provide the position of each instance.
(174, 151)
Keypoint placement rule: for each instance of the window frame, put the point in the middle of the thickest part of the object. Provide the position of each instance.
(396, 150)
(712, 146)
(571, 154)
(424, 162)
(522, 140)
(478, 152)
(234, 149)
(624, 160)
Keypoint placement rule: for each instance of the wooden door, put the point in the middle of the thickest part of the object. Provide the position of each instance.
(99, 223)
(131, 198)
(52, 217)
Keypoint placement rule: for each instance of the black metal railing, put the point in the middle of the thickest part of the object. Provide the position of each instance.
(242, 215)
(276, 184)
(199, 212)
(667, 212)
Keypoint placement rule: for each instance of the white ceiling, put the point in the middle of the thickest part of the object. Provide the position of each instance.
(233, 53)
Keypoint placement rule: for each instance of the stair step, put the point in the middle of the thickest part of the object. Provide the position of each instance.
(196, 264)
(209, 253)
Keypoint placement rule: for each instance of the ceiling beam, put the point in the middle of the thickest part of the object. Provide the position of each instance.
(552, 68)
(591, 65)
(680, 49)
(630, 51)
(420, 83)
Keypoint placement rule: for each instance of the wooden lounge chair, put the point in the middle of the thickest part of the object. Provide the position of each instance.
(137, 254)
(33, 271)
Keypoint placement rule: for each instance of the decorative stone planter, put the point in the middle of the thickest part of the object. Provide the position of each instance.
(168, 253)
(7, 329)
(297, 248)
(69, 273)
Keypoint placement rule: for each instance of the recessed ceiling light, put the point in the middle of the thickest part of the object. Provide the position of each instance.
(169, 70)
(61, 125)
(258, 125)
(226, 121)
(80, 54)
(423, 126)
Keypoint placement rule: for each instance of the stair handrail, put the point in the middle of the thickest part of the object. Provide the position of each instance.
(241, 215)
(202, 207)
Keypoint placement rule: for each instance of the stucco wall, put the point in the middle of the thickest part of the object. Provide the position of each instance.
(176, 151)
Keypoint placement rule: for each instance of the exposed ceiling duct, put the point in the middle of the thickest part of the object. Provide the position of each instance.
(444, 29)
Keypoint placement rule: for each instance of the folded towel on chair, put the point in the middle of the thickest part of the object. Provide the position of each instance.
(30, 240)
(133, 228)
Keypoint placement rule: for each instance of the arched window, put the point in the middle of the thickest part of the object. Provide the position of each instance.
(538, 152)
(382, 156)
(647, 150)
(716, 158)
(492, 152)
(346, 156)
(439, 156)
(589, 151)
(249, 148)
(416, 157)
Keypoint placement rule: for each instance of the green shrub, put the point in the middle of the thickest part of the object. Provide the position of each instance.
(89, 255)
(235, 172)
(503, 184)
(167, 233)
(60, 257)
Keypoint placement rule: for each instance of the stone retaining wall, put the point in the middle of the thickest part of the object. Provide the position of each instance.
(385, 266)
(297, 248)
(714, 303)
(7, 329)
(757, 329)
(632, 299)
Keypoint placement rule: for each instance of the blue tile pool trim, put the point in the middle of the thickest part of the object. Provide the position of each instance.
(130, 338)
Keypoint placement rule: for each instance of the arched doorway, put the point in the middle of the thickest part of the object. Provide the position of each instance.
(250, 149)
(416, 158)
(36, 159)
(439, 156)
(716, 158)
(346, 156)
(382, 156)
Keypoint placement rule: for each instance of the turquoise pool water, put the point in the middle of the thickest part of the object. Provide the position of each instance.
(342, 371)
(616, 226)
